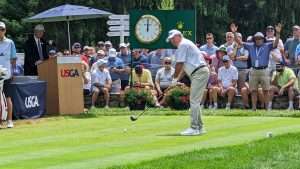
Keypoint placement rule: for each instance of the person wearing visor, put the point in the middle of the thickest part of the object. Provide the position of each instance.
(190, 62)
(259, 55)
(284, 83)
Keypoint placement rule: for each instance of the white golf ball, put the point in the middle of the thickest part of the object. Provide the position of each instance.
(269, 134)
(125, 130)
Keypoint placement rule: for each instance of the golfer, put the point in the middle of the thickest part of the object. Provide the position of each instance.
(191, 62)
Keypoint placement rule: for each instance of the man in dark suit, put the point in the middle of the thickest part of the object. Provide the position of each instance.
(35, 51)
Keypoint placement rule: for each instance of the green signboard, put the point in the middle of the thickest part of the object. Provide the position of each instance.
(149, 29)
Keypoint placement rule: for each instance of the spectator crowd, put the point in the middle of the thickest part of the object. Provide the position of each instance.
(257, 67)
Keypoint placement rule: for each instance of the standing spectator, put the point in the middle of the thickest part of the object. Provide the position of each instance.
(100, 46)
(76, 49)
(85, 55)
(229, 42)
(115, 65)
(100, 55)
(290, 47)
(35, 49)
(101, 82)
(155, 60)
(276, 54)
(86, 75)
(227, 77)
(107, 45)
(284, 81)
(125, 56)
(8, 59)
(138, 59)
(217, 59)
(66, 52)
(164, 76)
(259, 53)
(210, 48)
(240, 61)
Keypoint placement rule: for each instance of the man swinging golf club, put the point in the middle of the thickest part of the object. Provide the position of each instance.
(191, 62)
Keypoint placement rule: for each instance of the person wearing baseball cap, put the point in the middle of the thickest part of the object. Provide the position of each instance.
(101, 82)
(191, 62)
(259, 54)
(290, 47)
(8, 59)
(115, 65)
(35, 50)
(125, 56)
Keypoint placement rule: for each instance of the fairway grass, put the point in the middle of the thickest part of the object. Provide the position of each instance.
(97, 141)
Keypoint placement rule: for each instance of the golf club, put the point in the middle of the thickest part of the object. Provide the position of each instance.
(134, 118)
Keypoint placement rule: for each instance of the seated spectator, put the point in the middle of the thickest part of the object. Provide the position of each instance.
(101, 82)
(217, 59)
(139, 59)
(210, 48)
(86, 75)
(284, 82)
(142, 78)
(125, 56)
(227, 77)
(164, 76)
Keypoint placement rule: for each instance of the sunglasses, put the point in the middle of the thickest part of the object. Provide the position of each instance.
(168, 63)
(2, 30)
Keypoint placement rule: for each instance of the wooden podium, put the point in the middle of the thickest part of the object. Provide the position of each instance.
(64, 85)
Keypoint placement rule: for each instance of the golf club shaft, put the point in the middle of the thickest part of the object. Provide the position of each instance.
(141, 113)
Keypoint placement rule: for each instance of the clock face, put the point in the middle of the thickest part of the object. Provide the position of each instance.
(148, 29)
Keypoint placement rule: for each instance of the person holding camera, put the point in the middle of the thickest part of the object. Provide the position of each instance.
(101, 82)
(284, 82)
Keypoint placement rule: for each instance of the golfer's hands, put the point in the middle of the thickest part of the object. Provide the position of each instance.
(278, 28)
(280, 93)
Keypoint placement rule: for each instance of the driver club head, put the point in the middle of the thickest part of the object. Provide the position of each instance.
(133, 118)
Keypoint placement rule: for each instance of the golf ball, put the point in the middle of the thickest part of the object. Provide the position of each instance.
(269, 134)
(125, 130)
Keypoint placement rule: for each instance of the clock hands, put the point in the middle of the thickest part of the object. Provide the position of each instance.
(148, 24)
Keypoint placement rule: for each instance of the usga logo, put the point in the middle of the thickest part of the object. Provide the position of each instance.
(69, 73)
(31, 102)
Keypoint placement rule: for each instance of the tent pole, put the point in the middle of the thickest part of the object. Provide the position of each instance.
(69, 38)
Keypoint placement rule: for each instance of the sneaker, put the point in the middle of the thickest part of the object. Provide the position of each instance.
(291, 108)
(192, 132)
(210, 106)
(106, 107)
(10, 124)
(215, 107)
(227, 106)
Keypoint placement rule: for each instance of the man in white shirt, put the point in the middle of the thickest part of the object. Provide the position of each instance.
(191, 62)
(164, 76)
(101, 82)
(227, 77)
(8, 59)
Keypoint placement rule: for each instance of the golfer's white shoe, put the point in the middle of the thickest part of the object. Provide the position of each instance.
(10, 124)
(192, 132)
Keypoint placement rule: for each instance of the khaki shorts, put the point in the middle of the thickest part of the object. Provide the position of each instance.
(243, 73)
(259, 77)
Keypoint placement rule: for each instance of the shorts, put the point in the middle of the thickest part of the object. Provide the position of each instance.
(100, 89)
(7, 88)
(242, 78)
(259, 77)
(124, 84)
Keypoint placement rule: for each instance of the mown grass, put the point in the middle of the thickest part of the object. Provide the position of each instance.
(281, 152)
(103, 138)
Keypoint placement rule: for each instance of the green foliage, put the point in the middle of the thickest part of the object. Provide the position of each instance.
(177, 97)
(136, 96)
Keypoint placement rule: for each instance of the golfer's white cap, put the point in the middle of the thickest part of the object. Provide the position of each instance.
(112, 52)
(172, 33)
(39, 27)
(101, 62)
(2, 25)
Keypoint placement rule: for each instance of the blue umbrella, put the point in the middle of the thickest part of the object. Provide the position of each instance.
(68, 13)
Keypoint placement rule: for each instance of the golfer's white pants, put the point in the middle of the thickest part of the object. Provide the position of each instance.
(199, 81)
